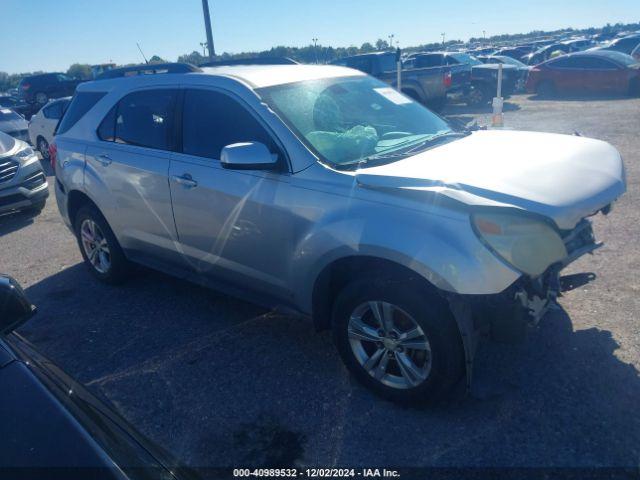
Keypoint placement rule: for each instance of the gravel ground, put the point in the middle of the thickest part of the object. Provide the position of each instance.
(220, 382)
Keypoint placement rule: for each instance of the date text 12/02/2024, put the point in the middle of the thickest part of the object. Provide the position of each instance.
(316, 473)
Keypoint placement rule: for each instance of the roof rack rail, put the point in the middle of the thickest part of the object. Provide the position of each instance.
(148, 69)
(251, 61)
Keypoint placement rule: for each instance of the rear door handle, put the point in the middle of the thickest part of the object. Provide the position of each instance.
(185, 180)
(104, 159)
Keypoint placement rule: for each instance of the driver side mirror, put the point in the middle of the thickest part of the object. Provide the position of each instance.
(15, 307)
(248, 156)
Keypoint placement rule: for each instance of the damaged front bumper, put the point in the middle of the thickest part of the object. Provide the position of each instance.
(506, 316)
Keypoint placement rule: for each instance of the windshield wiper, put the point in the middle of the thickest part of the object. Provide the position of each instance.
(413, 148)
(435, 139)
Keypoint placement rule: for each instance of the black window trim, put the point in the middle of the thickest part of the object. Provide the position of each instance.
(285, 161)
(173, 137)
(73, 97)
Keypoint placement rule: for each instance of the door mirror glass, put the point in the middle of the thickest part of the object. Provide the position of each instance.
(248, 156)
(15, 307)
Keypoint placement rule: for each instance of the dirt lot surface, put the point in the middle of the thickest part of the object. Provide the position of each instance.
(221, 382)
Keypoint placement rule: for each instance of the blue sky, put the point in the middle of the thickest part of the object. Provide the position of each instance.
(50, 35)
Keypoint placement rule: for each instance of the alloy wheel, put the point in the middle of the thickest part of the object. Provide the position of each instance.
(389, 344)
(95, 246)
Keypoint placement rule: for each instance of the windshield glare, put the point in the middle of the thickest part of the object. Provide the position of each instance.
(346, 120)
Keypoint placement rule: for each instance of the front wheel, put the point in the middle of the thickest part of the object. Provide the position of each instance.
(398, 339)
(99, 247)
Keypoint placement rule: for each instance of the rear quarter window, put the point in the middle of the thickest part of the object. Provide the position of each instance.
(80, 104)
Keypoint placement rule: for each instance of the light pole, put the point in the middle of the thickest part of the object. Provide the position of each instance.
(391, 37)
(204, 48)
(443, 35)
(315, 48)
(207, 26)
(484, 36)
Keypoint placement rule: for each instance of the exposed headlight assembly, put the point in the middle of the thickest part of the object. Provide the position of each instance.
(529, 245)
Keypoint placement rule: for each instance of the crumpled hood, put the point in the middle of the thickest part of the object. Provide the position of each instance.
(561, 177)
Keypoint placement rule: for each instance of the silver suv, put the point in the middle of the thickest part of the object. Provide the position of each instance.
(323, 189)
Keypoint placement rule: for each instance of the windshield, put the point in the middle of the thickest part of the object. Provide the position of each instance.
(465, 58)
(511, 61)
(349, 120)
(623, 58)
(7, 115)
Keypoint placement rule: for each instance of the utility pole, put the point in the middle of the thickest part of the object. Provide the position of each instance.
(315, 48)
(207, 26)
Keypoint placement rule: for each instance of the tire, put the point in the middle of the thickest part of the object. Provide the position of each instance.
(546, 89)
(41, 98)
(438, 104)
(43, 147)
(108, 264)
(480, 95)
(439, 361)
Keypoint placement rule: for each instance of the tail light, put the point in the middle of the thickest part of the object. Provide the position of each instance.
(53, 156)
(447, 79)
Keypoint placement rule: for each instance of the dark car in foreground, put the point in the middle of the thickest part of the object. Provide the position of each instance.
(41, 88)
(591, 71)
(52, 427)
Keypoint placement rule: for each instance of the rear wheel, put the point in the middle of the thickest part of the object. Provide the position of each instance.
(438, 104)
(41, 98)
(398, 339)
(479, 95)
(99, 247)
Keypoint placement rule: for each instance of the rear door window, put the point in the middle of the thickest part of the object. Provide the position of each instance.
(146, 119)
(80, 104)
(53, 112)
(213, 120)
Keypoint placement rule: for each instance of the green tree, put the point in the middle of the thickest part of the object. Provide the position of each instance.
(157, 59)
(382, 44)
(194, 58)
(80, 71)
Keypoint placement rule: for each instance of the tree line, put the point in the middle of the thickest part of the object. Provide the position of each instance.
(324, 54)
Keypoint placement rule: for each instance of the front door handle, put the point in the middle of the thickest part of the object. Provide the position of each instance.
(185, 180)
(104, 159)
